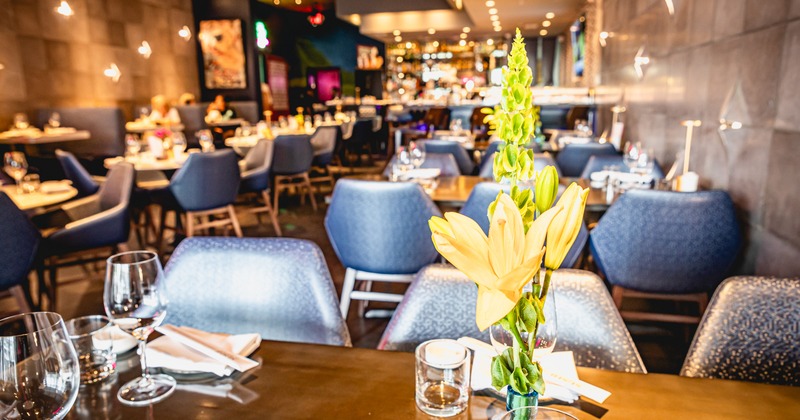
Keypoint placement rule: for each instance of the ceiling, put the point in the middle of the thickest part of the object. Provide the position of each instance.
(305, 6)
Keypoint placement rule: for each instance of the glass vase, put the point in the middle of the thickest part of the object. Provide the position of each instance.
(524, 406)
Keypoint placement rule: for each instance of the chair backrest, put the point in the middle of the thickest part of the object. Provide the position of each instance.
(117, 189)
(438, 118)
(381, 227)
(445, 162)
(440, 303)
(750, 332)
(554, 117)
(589, 324)
(106, 125)
(579, 112)
(75, 172)
(206, 181)
(19, 240)
(667, 242)
(601, 162)
(257, 165)
(324, 143)
(292, 155)
(540, 161)
(464, 161)
(279, 288)
(573, 157)
(192, 119)
(488, 154)
(248, 110)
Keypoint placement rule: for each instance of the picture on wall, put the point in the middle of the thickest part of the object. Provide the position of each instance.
(368, 58)
(223, 53)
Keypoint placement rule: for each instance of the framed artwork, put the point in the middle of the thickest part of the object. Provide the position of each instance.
(368, 58)
(278, 81)
(223, 53)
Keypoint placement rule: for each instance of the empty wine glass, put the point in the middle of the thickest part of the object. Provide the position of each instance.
(631, 156)
(417, 155)
(144, 113)
(16, 166)
(20, 121)
(135, 300)
(132, 145)
(55, 120)
(645, 162)
(40, 374)
(206, 140)
(178, 144)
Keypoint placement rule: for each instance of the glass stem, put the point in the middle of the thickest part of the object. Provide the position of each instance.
(143, 358)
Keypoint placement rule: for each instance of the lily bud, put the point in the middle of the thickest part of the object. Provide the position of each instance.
(565, 226)
(546, 188)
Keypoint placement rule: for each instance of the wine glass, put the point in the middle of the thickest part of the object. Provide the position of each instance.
(631, 156)
(417, 155)
(40, 374)
(178, 144)
(20, 121)
(546, 333)
(206, 140)
(55, 120)
(135, 300)
(645, 162)
(132, 145)
(16, 166)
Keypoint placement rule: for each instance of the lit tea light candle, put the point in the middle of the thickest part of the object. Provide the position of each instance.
(444, 353)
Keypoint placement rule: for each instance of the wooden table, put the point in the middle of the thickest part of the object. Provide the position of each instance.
(141, 165)
(31, 138)
(233, 122)
(303, 381)
(38, 199)
(452, 191)
(138, 128)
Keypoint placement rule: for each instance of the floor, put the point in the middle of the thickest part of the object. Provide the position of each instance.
(662, 347)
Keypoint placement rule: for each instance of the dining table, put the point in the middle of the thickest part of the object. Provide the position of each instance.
(450, 191)
(26, 201)
(138, 127)
(308, 381)
(35, 137)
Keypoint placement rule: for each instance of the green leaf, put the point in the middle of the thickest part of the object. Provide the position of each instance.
(501, 375)
(519, 381)
(528, 314)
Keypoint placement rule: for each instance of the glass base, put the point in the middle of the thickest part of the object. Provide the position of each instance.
(146, 390)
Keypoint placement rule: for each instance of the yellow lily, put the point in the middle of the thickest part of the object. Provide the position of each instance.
(501, 263)
(561, 233)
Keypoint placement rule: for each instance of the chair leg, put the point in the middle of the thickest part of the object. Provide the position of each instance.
(347, 288)
(21, 297)
(362, 304)
(234, 221)
(273, 214)
(307, 184)
(617, 294)
(189, 224)
(161, 228)
(277, 193)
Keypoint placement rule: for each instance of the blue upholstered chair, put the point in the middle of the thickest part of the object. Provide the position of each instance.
(666, 245)
(465, 164)
(99, 221)
(206, 185)
(255, 179)
(75, 172)
(380, 232)
(487, 159)
(573, 157)
(440, 303)
(19, 240)
(324, 141)
(485, 193)
(248, 110)
(446, 163)
(193, 120)
(540, 160)
(279, 288)
(750, 332)
(291, 163)
(599, 162)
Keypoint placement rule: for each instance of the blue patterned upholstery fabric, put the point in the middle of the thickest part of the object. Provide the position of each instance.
(440, 303)
(600, 162)
(292, 154)
(667, 242)
(19, 240)
(206, 181)
(464, 161)
(750, 332)
(279, 288)
(75, 172)
(444, 161)
(540, 161)
(381, 227)
(573, 157)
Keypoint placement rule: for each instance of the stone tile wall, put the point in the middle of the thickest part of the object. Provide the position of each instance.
(52, 60)
(735, 59)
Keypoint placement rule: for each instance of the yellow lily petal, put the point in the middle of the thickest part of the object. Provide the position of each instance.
(471, 260)
(491, 307)
(516, 279)
(466, 230)
(566, 225)
(505, 236)
(437, 224)
(534, 240)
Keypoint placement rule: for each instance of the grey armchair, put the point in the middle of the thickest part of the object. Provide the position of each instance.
(255, 179)
(75, 172)
(279, 288)
(19, 240)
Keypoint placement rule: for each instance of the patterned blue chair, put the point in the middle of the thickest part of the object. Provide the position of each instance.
(75, 172)
(666, 245)
(465, 164)
(443, 161)
(598, 163)
(573, 157)
(291, 163)
(750, 332)
(380, 232)
(279, 288)
(441, 304)
(255, 179)
(19, 240)
(324, 141)
(540, 160)
(484, 194)
(487, 158)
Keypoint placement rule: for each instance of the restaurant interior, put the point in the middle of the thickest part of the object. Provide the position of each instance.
(471, 209)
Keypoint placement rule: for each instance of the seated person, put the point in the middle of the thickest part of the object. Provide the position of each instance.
(219, 110)
(162, 112)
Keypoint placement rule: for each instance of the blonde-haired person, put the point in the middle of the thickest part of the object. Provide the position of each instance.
(162, 112)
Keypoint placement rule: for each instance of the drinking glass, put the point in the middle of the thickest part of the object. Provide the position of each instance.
(55, 120)
(135, 300)
(132, 145)
(206, 140)
(40, 375)
(20, 121)
(144, 113)
(178, 144)
(94, 344)
(16, 166)
(645, 162)
(631, 156)
(443, 376)
(417, 155)
(546, 333)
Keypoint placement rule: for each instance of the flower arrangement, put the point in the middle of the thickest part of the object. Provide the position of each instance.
(503, 263)
(162, 133)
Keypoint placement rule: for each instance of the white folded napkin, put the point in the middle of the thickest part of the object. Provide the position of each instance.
(167, 352)
(624, 177)
(55, 187)
(424, 173)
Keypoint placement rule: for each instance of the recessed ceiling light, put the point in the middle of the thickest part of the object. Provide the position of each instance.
(489, 3)
(492, 11)
(435, 43)
(431, 31)
(398, 38)
(409, 45)
(466, 29)
(498, 28)
(462, 42)
(546, 24)
(496, 23)
(298, 1)
(472, 43)
(543, 32)
(396, 32)
(494, 17)
(277, 2)
(490, 41)
(463, 36)
(550, 15)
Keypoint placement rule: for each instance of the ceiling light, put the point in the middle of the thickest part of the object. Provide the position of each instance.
(64, 9)
(398, 38)
(472, 43)
(546, 24)
(462, 43)
(431, 31)
(498, 28)
(490, 42)
(465, 30)
(399, 59)
(396, 32)
(145, 49)
(277, 2)
(435, 44)
(409, 45)
(494, 17)
(298, 1)
(543, 32)
(550, 15)
(489, 3)
(496, 23)
(492, 11)
(463, 36)
(185, 33)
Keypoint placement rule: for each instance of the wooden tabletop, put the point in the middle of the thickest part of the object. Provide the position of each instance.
(145, 164)
(450, 190)
(137, 127)
(38, 199)
(32, 138)
(312, 381)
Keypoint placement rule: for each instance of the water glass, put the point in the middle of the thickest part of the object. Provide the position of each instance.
(21, 121)
(206, 140)
(132, 145)
(55, 120)
(178, 144)
(443, 377)
(91, 335)
(16, 166)
(631, 156)
(30, 184)
(40, 376)
(417, 155)
(135, 300)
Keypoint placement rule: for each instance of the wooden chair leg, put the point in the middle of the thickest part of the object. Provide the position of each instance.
(21, 297)
(277, 193)
(617, 294)
(189, 224)
(273, 214)
(307, 184)
(234, 221)
(161, 228)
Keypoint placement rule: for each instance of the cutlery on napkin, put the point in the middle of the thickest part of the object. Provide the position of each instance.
(191, 350)
(558, 368)
(422, 173)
